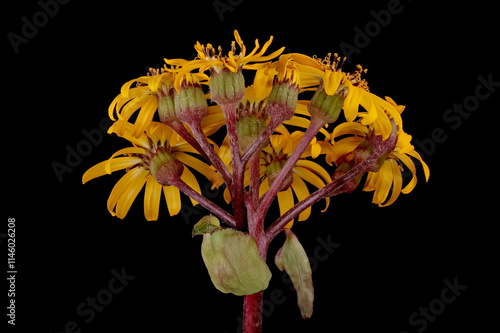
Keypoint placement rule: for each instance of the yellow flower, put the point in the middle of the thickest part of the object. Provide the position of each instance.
(208, 58)
(387, 180)
(151, 92)
(328, 74)
(294, 189)
(157, 147)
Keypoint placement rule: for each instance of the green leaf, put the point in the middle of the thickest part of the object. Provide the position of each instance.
(207, 224)
(293, 259)
(234, 263)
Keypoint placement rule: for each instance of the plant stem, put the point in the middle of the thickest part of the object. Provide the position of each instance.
(270, 195)
(236, 187)
(254, 147)
(254, 179)
(189, 191)
(336, 186)
(210, 152)
(252, 312)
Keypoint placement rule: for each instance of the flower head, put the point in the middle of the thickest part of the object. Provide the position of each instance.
(157, 155)
(155, 91)
(331, 80)
(209, 58)
(385, 177)
(295, 187)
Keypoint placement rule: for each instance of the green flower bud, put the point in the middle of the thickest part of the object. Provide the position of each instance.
(327, 107)
(282, 100)
(166, 107)
(273, 169)
(227, 87)
(190, 103)
(165, 167)
(248, 129)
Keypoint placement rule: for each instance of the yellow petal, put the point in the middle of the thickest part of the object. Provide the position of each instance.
(264, 187)
(152, 197)
(115, 164)
(227, 195)
(344, 147)
(383, 184)
(145, 117)
(397, 182)
(301, 191)
(427, 171)
(129, 194)
(173, 199)
(285, 202)
(188, 177)
(369, 105)
(350, 128)
(201, 167)
(410, 165)
(124, 151)
(315, 168)
(125, 89)
(131, 107)
(352, 101)
(331, 81)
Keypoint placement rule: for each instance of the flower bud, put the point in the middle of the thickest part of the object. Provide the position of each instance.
(165, 167)
(250, 122)
(190, 103)
(227, 87)
(166, 107)
(327, 107)
(274, 169)
(282, 100)
(248, 130)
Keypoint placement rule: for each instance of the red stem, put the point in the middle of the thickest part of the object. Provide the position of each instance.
(236, 187)
(189, 191)
(336, 186)
(270, 195)
(210, 152)
(252, 312)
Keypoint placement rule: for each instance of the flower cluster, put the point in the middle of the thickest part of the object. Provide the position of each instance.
(304, 130)
(263, 141)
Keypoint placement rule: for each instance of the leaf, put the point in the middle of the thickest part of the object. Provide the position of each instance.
(207, 224)
(293, 259)
(234, 263)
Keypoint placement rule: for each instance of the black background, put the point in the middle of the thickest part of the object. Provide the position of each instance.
(390, 262)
